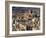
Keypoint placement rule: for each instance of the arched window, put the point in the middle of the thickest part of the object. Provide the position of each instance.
(29, 15)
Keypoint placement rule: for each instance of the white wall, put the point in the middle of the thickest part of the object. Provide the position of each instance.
(2, 19)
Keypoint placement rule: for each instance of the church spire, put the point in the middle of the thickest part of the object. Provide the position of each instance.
(29, 11)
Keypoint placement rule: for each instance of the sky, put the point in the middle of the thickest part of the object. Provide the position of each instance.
(21, 9)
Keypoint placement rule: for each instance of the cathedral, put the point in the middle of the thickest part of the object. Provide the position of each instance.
(26, 21)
